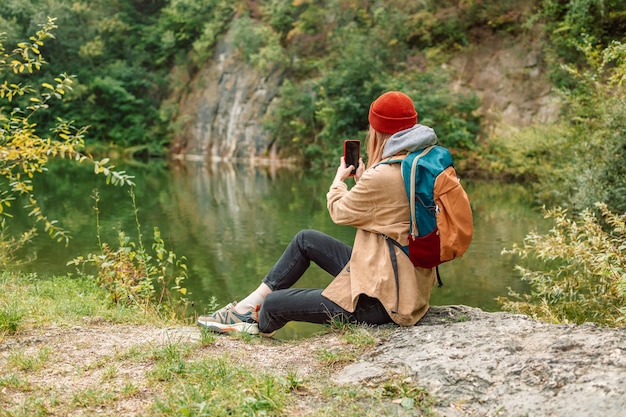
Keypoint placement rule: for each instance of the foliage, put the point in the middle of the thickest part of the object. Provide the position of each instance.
(184, 23)
(293, 121)
(352, 54)
(363, 50)
(567, 21)
(585, 270)
(351, 77)
(339, 52)
(279, 15)
(581, 158)
(595, 111)
(259, 45)
(530, 154)
(131, 276)
(10, 245)
(24, 152)
(119, 83)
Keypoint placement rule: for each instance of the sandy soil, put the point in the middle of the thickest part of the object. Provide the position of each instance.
(65, 363)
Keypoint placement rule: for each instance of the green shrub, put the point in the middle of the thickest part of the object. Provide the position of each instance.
(566, 21)
(581, 158)
(182, 23)
(259, 45)
(132, 276)
(595, 111)
(533, 154)
(293, 120)
(584, 279)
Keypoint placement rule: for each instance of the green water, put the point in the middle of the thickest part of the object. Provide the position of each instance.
(233, 222)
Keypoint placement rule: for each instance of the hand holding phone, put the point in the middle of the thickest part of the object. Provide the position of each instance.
(352, 154)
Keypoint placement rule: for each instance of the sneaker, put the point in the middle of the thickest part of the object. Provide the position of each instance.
(227, 320)
(226, 307)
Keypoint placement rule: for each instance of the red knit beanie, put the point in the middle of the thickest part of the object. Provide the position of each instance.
(392, 112)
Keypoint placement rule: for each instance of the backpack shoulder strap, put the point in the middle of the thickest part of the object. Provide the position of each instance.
(390, 161)
(394, 263)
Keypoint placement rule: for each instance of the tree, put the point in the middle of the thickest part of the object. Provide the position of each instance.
(24, 150)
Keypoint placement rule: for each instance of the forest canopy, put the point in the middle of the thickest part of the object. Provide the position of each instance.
(337, 54)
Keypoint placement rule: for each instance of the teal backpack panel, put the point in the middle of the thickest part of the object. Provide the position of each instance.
(429, 166)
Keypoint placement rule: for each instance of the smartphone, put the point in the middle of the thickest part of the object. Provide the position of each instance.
(352, 153)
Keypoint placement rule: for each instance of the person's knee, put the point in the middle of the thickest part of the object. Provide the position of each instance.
(306, 236)
(303, 235)
(301, 238)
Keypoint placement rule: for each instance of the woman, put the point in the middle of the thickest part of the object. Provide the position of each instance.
(365, 288)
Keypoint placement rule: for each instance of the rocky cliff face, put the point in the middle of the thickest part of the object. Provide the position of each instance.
(509, 75)
(221, 111)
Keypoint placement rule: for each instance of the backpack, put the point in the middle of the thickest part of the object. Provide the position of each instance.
(441, 225)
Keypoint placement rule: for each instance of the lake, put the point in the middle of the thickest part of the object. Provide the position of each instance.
(232, 222)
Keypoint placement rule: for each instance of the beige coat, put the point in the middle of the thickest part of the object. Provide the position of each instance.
(378, 205)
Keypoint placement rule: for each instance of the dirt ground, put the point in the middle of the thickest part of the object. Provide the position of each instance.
(474, 363)
(103, 356)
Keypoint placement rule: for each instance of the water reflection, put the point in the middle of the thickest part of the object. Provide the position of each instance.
(232, 222)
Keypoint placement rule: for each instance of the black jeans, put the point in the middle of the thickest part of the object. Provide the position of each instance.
(287, 304)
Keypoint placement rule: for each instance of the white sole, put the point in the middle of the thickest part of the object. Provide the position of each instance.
(250, 328)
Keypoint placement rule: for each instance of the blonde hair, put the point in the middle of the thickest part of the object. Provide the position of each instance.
(375, 143)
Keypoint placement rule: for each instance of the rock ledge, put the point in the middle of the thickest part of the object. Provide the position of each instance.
(487, 364)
